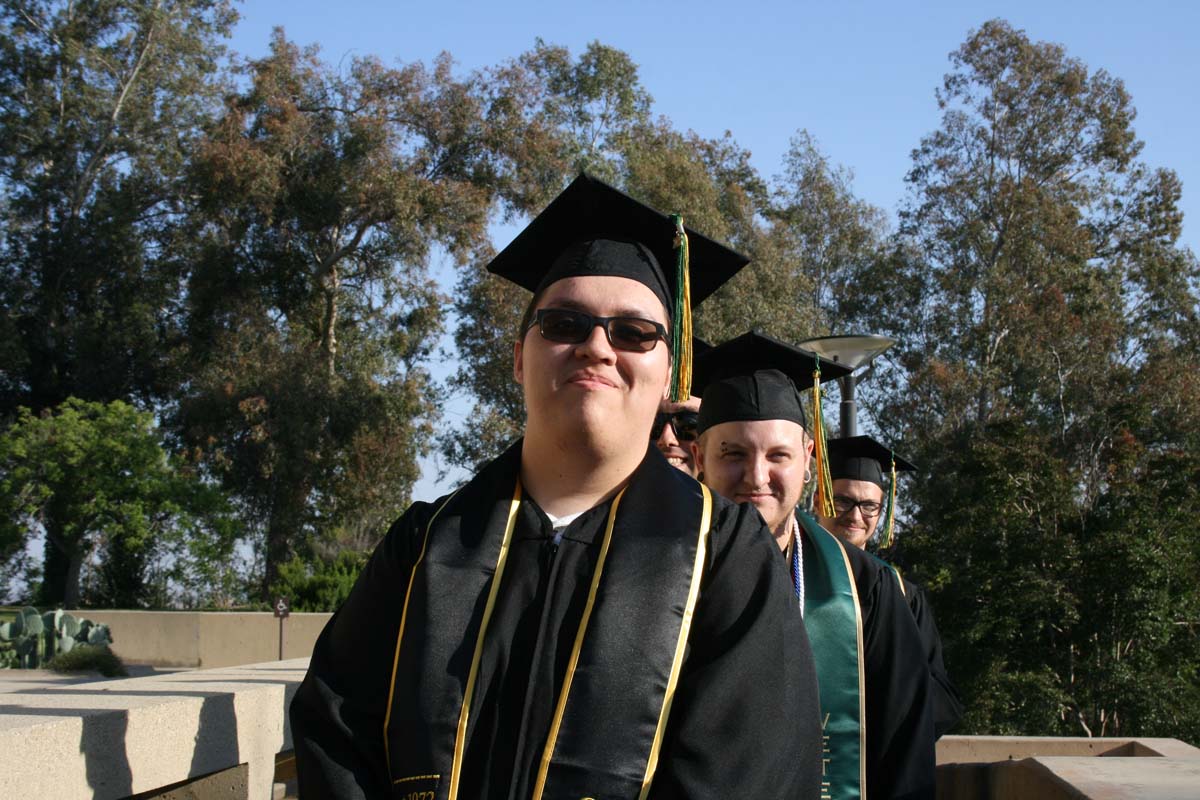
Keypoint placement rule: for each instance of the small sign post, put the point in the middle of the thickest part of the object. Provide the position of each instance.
(281, 612)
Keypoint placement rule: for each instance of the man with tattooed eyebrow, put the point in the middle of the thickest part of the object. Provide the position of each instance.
(755, 447)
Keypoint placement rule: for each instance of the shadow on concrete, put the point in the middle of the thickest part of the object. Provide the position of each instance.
(216, 745)
(102, 740)
(102, 743)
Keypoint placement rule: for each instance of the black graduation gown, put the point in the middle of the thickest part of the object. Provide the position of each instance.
(744, 721)
(947, 705)
(899, 708)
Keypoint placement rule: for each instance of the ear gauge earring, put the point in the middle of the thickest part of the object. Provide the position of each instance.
(807, 474)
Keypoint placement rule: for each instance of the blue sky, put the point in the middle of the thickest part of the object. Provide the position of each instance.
(859, 76)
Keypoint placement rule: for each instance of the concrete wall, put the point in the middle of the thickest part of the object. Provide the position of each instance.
(64, 738)
(110, 739)
(1053, 768)
(207, 639)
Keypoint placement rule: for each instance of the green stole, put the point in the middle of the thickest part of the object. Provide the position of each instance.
(610, 716)
(833, 618)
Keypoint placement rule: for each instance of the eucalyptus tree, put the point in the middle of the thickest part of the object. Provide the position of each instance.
(102, 101)
(322, 193)
(1038, 290)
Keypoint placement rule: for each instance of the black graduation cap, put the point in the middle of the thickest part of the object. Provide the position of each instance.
(756, 377)
(595, 229)
(861, 458)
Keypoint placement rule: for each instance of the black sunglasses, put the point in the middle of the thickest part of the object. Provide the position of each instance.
(685, 423)
(574, 327)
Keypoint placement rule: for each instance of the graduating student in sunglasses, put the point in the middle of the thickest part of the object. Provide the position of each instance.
(675, 425)
(755, 446)
(861, 470)
(580, 619)
(674, 431)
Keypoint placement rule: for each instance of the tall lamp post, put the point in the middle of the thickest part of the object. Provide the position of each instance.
(852, 352)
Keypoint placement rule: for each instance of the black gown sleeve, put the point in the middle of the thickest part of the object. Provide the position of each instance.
(900, 740)
(947, 705)
(338, 711)
(745, 719)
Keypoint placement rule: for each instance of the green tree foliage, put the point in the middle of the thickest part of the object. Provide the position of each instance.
(825, 236)
(320, 585)
(593, 114)
(580, 114)
(101, 103)
(1045, 311)
(311, 312)
(95, 480)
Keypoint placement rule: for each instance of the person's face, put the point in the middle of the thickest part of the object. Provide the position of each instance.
(677, 447)
(852, 526)
(592, 389)
(761, 462)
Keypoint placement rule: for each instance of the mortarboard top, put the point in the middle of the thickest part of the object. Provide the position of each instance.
(592, 228)
(861, 458)
(756, 377)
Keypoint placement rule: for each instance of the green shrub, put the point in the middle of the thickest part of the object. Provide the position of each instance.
(89, 658)
(322, 586)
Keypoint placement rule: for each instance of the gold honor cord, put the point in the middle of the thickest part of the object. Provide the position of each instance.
(681, 645)
(862, 687)
(548, 753)
(387, 716)
(460, 740)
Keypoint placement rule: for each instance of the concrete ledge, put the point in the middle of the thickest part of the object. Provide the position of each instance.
(986, 749)
(1049, 768)
(223, 733)
(1113, 778)
(116, 738)
(207, 639)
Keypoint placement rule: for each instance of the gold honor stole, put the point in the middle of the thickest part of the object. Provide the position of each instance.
(611, 712)
(833, 618)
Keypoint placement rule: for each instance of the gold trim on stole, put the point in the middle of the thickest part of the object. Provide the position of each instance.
(387, 717)
(548, 753)
(681, 644)
(862, 687)
(469, 691)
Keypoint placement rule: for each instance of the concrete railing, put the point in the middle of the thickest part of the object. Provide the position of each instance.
(223, 733)
(217, 730)
(1050, 768)
(207, 639)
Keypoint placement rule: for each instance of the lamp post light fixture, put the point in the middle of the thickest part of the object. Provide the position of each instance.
(851, 351)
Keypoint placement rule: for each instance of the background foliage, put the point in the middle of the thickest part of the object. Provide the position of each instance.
(220, 321)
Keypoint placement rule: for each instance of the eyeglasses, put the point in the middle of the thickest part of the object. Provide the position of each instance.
(685, 423)
(844, 505)
(565, 326)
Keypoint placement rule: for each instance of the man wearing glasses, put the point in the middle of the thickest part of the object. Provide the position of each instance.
(754, 447)
(862, 469)
(579, 619)
(674, 431)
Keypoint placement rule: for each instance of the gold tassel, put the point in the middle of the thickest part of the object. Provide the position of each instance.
(681, 345)
(823, 501)
(889, 530)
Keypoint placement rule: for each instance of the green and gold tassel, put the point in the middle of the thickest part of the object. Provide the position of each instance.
(681, 329)
(823, 500)
(889, 526)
